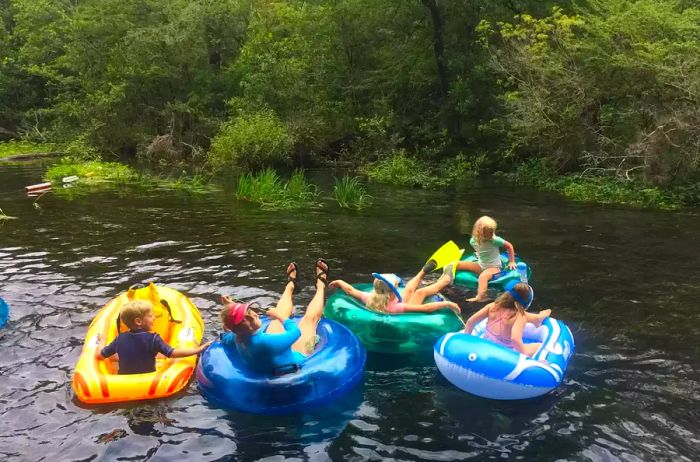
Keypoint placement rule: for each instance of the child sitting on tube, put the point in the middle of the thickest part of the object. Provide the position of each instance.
(138, 348)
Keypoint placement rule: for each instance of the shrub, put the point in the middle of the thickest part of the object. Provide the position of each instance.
(403, 170)
(252, 141)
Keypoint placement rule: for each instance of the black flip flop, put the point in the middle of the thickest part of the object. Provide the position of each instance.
(291, 279)
(323, 275)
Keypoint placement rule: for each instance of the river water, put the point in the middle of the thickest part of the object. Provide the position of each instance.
(624, 280)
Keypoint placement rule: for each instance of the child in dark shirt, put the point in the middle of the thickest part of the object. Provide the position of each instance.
(138, 348)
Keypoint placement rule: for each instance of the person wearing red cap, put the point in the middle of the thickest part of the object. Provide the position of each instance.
(283, 342)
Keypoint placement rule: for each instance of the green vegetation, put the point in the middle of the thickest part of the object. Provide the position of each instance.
(403, 170)
(91, 172)
(271, 192)
(12, 148)
(351, 194)
(252, 142)
(608, 88)
(4, 216)
(96, 173)
(604, 190)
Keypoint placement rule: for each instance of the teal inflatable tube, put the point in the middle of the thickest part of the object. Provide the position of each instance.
(499, 281)
(405, 333)
(4, 312)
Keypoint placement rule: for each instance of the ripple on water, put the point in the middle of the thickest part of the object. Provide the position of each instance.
(631, 392)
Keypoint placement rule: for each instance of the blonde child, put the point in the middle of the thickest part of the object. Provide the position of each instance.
(487, 249)
(385, 296)
(507, 318)
(138, 348)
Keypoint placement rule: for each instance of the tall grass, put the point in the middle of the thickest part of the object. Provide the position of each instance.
(271, 192)
(351, 194)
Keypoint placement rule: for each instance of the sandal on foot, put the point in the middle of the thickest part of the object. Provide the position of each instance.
(291, 279)
(449, 271)
(323, 274)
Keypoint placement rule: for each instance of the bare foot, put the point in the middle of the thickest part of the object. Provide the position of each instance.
(541, 316)
(478, 299)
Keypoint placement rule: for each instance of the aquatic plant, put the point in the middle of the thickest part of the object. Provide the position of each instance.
(91, 172)
(11, 148)
(269, 190)
(351, 194)
(601, 189)
(195, 184)
(4, 216)
(403, 170)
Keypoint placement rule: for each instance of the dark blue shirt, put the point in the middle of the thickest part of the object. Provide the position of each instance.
(137, 351)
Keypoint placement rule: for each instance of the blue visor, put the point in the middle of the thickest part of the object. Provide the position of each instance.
(392, 281)
(510, 288)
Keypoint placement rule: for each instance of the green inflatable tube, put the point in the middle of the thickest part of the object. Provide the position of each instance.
(404, 333)
(499, 282)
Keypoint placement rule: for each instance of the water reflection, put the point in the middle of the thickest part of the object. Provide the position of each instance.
(631, 392)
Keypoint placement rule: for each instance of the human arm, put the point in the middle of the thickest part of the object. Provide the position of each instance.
(103, 352)
(347, 288)
(511, 254)
(281, 342)
(182, 352)
(476, 318)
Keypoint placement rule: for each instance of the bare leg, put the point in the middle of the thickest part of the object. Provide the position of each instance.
(484, 278)
(421, 294)
(469, 266)
(412, 285)
(314, 313)
(531, 348)
(285, 305)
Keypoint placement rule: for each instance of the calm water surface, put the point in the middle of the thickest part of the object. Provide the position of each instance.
(625, 281)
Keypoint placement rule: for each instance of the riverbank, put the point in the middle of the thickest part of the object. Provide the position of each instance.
(25, 150)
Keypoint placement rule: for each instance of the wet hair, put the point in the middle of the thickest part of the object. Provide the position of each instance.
(380, 296)
(134, 309)
(484, 223)
(507, 301)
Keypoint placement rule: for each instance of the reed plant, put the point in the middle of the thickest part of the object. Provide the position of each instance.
(271, 192)
(351, 194)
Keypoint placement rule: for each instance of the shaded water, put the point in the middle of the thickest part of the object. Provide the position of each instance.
(625, 281)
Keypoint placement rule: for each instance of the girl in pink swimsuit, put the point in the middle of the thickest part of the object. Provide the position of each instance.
(507, 318)
(385, 296)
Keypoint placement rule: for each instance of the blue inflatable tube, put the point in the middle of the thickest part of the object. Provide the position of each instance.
(335, 367)
(4, 312)
(489, 370)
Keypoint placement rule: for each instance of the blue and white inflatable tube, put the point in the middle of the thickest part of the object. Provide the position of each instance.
(336, 367)
(489, 370)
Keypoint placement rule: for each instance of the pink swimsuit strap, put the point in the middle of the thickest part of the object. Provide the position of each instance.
(495, 335)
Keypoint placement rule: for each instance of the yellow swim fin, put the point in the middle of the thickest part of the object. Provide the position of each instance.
(446, 254)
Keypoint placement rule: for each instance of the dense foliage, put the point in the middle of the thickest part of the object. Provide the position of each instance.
(606, 88)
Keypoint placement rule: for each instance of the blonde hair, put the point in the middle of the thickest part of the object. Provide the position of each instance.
(508, 302)
(380, 296)
(484, 223)
(134, 309)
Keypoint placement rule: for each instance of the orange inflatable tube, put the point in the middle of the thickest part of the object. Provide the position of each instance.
(179, 324)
